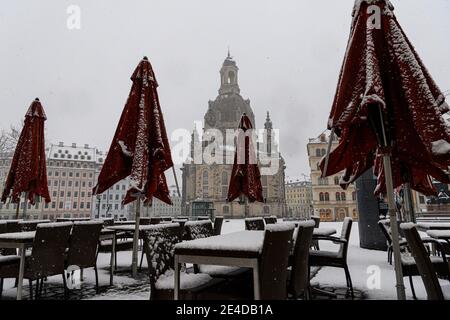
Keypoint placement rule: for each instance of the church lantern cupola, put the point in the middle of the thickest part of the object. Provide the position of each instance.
(229, 76)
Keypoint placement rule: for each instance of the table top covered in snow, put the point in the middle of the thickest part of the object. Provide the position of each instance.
(423, 226)
(439, 234)
(17, 237)
(237, 244)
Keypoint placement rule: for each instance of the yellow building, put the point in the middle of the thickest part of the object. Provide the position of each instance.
(329, 200)
(298, 199)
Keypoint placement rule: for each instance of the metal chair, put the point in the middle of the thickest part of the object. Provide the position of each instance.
(159, 243)
(298, 284)
(83, 245)
(47, 255)
(425, 265)
(338, 259)
(422, 265)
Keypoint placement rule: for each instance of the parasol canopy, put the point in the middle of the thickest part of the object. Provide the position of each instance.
(245, 176)
(140, 148)
(384, 83)
(28, 171)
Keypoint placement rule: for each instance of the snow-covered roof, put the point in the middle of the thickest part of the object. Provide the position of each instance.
(74, 152)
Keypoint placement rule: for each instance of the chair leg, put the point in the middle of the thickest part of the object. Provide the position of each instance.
(96, 278)
(40, 287)
(66, 293)
(30, 283)
(115, 260)
(349, 281)
(142, 258)
(1, 287)
(412, 287)
(36, 293)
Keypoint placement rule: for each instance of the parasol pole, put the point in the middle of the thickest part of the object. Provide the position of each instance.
(18, 209)
(409, 202)
(392, 215)
(327, 158)
(136, 238)
(176, 181)
(25, 206)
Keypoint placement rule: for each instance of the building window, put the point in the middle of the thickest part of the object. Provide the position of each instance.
(338, 196)
(354, 196)
(318, 153)
(336, 180)
(61, 204)
(205, 177)
(343, 196)
(225, 178)
(226, 209)
(421, 199)
(321, 197)
(327, 196)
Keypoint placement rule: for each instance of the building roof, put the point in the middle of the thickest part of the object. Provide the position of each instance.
(73, 152)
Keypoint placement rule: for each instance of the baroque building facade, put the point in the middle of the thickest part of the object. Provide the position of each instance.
(329, 200)
(206, 181)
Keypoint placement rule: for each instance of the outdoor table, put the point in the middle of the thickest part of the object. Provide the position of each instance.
(21, 241)
(72, 219)
(240, 249)
(128, 222)
(440, 234)
(433, 226)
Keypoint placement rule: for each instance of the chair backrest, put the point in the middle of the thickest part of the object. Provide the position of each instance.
(300, 265)
(145, 221)
(274, 261)
(203, 218)
(423, 262)
(385, 229)
(345, 235)
(48, 251)
(218, 222)
(3, 229)
(270, 220)
(316, 220)
(13, 226)
(108, 222)
(166, 219)
(198, 229)
(83, 243)
(254, 224)
(155, 220)
(159, 244)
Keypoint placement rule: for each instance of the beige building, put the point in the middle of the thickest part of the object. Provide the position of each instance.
(329, 200)
(71, 177)
(210, 182)
(299, 199)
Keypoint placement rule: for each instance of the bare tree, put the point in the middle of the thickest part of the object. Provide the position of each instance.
(9, 138)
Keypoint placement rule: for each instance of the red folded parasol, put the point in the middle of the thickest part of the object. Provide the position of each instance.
(245, 176)
(387, 113)
(382, 70)
(28, 171)
(140, 148)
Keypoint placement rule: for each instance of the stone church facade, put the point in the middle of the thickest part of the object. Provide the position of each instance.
(209, 182)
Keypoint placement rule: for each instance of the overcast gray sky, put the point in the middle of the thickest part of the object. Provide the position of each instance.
(289, 53)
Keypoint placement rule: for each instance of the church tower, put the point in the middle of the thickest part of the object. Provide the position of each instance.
(229, 77)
